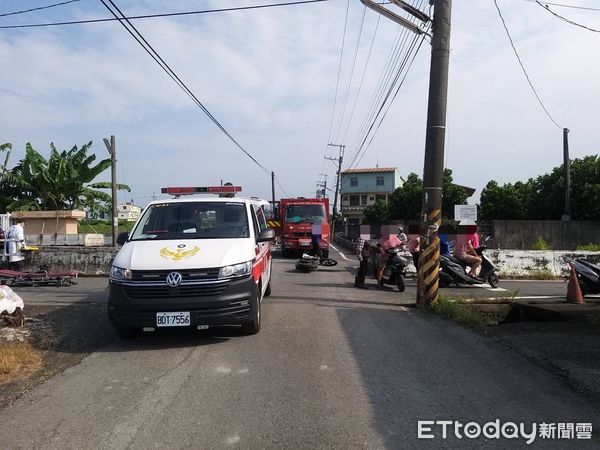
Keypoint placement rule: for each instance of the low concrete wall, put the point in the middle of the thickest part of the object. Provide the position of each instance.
(518, 263)
(61, 239)
(532, 263)
(86, 260)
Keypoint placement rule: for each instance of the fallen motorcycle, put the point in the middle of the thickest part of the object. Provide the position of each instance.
(309, 263)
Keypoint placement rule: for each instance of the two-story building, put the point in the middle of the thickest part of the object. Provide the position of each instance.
(363, 187)
(129, 212)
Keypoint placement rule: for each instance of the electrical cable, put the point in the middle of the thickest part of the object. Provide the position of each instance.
(386, 84)
(14, 13)
(562, 5)
(153, 16)
(163, 65)
(384, 81)
(364, 146)
(337, 83)
(522, 66)
(393, 98)
(545, 7)
(362, 78)
(362, 22)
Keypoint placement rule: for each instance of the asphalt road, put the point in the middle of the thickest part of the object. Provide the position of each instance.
(333, 367)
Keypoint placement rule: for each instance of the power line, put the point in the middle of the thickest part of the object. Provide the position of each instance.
(281, 187)
(165, 67)
(562, 5)
(153, 16)
(384, 82)
(523, 67)
(567, 20)
(362, 22)
(393, 98)
(337, 83)
(397, 84)
(38, 8)
(362, 78)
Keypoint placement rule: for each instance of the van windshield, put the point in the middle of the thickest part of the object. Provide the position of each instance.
(305, 214)
(193, 220)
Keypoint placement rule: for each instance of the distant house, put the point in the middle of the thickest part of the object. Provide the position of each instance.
(363, 187)
(129, 212)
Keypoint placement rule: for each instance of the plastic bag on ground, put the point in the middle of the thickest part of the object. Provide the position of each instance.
(9, 300)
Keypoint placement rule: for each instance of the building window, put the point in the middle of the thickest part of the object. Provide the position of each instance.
(371, 199)
(353, 181)
(380, 181)
(363, 199)
(354, 200)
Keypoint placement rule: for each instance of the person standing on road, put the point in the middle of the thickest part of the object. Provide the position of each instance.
(15, 241)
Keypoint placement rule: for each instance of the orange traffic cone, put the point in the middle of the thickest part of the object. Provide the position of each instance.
(573, 290)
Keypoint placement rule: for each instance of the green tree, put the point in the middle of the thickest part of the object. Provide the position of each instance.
(63, 181)
(378, 213)
(543, 198)
(405, 201)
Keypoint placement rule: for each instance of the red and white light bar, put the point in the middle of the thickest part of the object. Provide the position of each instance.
(201, 190)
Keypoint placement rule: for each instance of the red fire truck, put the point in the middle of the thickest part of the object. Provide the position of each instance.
(300, 219)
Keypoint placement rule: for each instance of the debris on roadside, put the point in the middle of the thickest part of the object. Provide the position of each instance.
(11, 307)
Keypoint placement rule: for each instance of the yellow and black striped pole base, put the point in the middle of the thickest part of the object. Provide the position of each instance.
(429, 260)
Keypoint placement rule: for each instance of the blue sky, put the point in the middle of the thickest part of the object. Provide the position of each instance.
(269, 76)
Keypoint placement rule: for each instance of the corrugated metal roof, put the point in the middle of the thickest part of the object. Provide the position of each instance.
(371, 170)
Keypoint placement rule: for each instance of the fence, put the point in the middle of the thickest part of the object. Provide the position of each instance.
(522, 234)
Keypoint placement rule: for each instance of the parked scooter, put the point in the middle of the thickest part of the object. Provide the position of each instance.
(454, 271)
(395, 269)
(588, 275)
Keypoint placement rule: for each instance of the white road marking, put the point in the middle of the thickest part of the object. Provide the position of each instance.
(244, 370)
(324, 367)
(488, 287)
(340, 253)
(222, 369)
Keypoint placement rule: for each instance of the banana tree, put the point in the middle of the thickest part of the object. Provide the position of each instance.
(63, 181)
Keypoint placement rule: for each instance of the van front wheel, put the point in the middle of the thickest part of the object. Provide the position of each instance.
(253, 326)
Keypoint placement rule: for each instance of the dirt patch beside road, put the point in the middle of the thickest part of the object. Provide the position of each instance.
(57, 337)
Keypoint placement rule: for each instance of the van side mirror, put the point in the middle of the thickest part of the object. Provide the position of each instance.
(122, 238)
(266, 235)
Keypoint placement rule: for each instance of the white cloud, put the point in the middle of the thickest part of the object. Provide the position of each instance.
(269, 76)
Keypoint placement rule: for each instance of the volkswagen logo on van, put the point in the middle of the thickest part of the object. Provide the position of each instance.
(174, 279)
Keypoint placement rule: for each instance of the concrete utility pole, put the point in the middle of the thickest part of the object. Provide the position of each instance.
(112, 150)
(340, 159)
(431, 212)
(273, 190)
(567, 169)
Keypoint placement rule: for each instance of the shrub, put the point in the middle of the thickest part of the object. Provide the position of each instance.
(540, 244)
(589, 247)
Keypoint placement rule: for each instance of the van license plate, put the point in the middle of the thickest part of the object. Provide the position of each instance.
(173, 319)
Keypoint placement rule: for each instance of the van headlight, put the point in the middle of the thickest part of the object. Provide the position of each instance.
(117, 273)
(237, 270)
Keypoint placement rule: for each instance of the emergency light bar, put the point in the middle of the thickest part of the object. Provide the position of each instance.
(201, 190)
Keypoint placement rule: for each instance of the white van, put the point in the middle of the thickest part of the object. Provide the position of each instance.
(192, 262)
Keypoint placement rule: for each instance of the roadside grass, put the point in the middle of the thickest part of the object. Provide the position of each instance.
(18, 360)
(542, 274)
(449, 308)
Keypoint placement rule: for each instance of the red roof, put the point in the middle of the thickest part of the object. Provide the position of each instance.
(371, 170)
